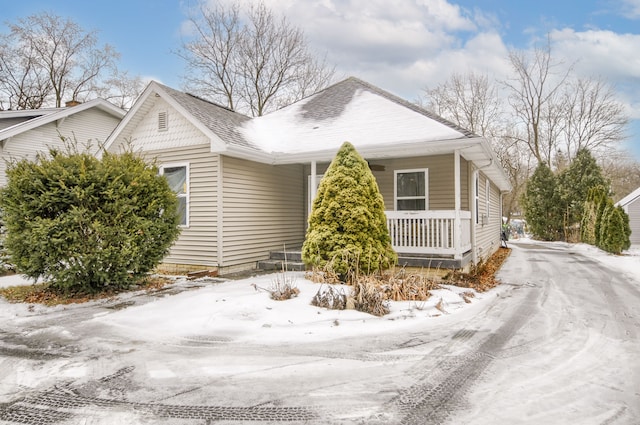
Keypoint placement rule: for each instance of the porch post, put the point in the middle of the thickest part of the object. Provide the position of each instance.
(457, 223)
(314, 184)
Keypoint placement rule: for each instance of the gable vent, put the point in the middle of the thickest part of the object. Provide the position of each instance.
(163, 122)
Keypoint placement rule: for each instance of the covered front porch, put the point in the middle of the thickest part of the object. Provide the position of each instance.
(428, 206)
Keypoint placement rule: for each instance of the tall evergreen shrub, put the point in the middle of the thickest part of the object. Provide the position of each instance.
(86, 224)
(614, 237)
(542, 207)
(592, 214)
(347, 226)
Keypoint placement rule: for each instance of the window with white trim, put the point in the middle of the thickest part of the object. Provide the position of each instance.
(177, 176)
(411, 189)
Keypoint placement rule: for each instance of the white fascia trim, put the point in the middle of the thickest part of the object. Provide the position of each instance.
(60, 115)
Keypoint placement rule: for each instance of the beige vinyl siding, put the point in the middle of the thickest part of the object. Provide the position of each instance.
(488, 228)
(441, 179)
(263, 210)
(197, 243)
(633, 209)
(89, 128)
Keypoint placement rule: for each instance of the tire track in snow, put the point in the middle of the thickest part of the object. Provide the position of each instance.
(427, 403)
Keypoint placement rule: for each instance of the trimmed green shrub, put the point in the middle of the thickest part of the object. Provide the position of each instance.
(614, 237)
(87, 225)
(347, 230)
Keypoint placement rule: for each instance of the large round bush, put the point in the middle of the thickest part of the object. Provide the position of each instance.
(85, 224)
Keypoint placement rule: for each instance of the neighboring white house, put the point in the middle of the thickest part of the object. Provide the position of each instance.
(246, 184)
(631, 205)
(25, 133)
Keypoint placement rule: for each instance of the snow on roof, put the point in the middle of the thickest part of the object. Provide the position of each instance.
(349, 111)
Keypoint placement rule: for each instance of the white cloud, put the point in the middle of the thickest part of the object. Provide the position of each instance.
(631, 9)
(607, 55)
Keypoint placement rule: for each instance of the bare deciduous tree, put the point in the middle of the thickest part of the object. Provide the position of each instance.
(468, 100)
(121, 89)
(249, 60)
(23, 85)
(472, 101)
(47, 59)
(623, 173)
(535, 95)
(593, 118)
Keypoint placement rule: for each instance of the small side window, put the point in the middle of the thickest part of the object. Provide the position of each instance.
(178, 179)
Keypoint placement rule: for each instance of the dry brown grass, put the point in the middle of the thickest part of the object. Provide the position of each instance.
(41, 293)
(482, 277)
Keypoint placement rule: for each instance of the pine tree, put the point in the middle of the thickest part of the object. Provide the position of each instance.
(542, 208)
(574, 184)
(347, 226)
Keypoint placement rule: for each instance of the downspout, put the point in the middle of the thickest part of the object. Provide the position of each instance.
(312, 189)
(457, 224)
(220, 221)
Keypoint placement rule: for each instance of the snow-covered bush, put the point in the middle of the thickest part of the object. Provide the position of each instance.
(85, 224)
(347, 226)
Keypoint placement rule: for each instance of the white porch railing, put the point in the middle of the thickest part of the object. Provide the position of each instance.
(429, 232)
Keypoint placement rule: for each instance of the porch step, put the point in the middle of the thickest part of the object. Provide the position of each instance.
(277, 265)
(283, 260)
(286, 255)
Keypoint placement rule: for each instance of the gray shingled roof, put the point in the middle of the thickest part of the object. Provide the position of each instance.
(222, 121)
(328, 103)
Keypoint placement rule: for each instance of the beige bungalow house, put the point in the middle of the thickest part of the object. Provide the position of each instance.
(246, 184)
(631, 205)
(25, 133)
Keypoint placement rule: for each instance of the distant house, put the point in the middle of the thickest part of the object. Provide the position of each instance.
(631, 205)
(24, 133)
(246, 184)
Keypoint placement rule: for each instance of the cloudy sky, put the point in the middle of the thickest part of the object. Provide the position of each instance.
(400, 45)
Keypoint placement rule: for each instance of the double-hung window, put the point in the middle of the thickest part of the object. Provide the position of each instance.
(412, 190)
(178, 177)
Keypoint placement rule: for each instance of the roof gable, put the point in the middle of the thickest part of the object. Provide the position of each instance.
(46, 116)
(216, 122)
(630, 198)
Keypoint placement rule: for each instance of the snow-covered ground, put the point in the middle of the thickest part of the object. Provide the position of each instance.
(243, 310)
(204, 345)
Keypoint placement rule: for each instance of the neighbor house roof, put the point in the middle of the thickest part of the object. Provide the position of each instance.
(378, 123)
(33, 118)
(629, 198)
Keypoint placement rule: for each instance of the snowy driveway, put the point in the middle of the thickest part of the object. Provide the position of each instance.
(556, 343)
